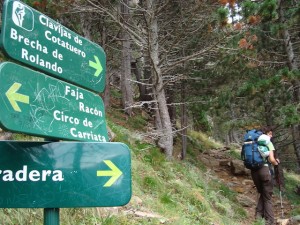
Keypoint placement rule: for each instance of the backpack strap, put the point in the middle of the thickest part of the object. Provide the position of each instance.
(242, 153)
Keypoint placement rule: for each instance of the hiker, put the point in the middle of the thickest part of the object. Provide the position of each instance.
(263, 181)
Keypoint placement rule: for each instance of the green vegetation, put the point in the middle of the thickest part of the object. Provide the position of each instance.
(233, 76)
(291, 181)
(165, 192)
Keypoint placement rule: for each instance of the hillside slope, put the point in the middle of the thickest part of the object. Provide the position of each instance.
(198, 190)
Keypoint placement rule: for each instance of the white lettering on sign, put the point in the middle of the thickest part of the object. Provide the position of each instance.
(74, 93)
(37, 58)
(54, 26)
(35, 44)
(64, 44)
(60, 116)
(33, 175)
(90, 110)
(87, 135)
(41, 62)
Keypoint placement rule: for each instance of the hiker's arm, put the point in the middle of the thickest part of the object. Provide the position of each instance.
(276, 156)
(272, 158)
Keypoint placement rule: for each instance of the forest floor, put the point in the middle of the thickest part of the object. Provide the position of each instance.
(218, 161)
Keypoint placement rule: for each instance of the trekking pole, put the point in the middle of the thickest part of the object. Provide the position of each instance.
(277, 175)
(281, 206)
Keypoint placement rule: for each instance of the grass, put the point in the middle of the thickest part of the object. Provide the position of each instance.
(169, 192)
(202, 141)
(291, 181)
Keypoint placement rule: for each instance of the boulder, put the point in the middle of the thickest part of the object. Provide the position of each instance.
(245, 200)
(237, 167)
(224, 162)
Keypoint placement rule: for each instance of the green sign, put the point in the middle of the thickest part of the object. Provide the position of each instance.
(64, 174)
(39, 105)
(40, 42)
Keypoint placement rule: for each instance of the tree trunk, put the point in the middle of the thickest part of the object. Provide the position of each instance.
(183, 120)
(109, 73)
(296, 137)
(127, 94)
(107, 91)
(296, 84)
(86, 25)
(171, 107)
(267, 111)
(138, 75)
(166, 138)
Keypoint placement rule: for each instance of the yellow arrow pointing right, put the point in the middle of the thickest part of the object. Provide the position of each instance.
(96, 65)
(114, 173)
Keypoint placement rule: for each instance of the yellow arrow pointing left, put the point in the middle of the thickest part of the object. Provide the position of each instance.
(114, 173)
(14, 97)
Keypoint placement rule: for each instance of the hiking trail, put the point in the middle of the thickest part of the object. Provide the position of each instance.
(233, 174)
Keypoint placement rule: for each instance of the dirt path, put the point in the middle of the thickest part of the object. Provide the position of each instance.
(219, 161)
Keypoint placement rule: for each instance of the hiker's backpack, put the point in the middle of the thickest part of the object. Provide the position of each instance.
(250, 154)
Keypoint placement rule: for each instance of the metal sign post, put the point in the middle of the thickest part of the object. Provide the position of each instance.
(51, 216)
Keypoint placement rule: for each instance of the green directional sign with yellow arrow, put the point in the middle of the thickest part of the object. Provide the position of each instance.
(64, 174)
(39, 105)
(40, 42)
(114, 173)
(15, 97)
(97, 66)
